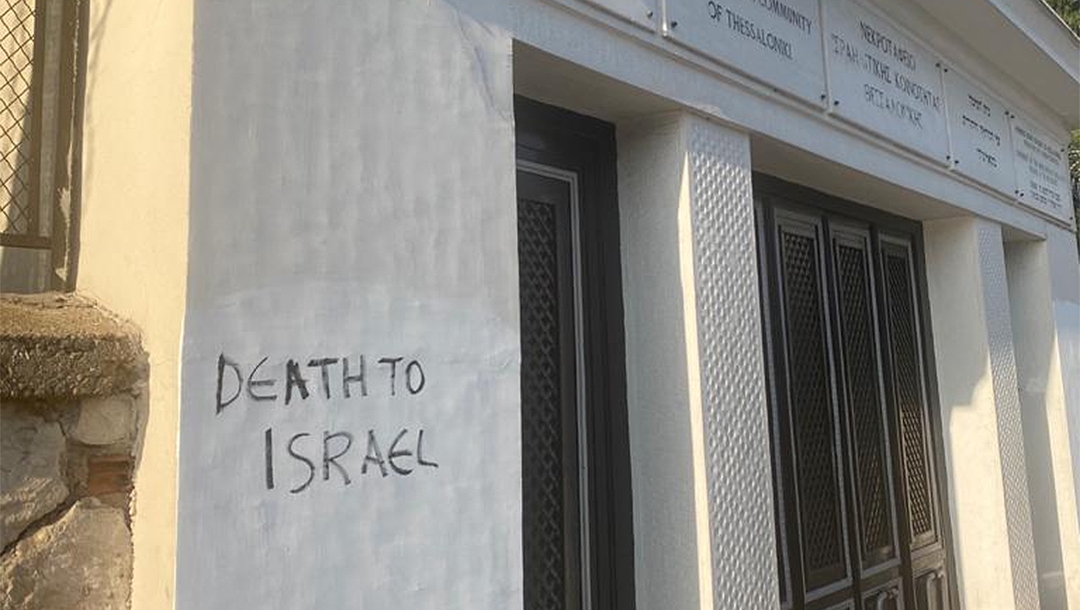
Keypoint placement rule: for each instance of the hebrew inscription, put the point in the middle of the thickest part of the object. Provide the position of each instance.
(979, 126)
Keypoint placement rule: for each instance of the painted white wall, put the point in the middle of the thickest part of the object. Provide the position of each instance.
(352, 194)
(1046, 426)
(1065, 290)
(738, 472)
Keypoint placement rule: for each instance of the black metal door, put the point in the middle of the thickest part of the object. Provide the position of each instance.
(577, 527)
(551, 510)
(858, 472)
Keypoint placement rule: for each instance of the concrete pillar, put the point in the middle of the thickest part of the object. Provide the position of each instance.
(703, 511)
(980, 411)
(1046, 425)
(1064, 271)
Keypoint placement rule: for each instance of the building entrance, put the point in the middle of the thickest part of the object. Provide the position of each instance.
(856, 442)
(577, 527)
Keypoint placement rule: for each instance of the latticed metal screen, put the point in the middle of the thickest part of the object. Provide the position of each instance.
(909, 394)
(861, 380)
(541, 410)
(18, 205)
(548, 431)
(857, 474)
(814, 413)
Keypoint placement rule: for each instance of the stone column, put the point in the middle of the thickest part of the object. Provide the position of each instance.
(980, 411)
(703, 511)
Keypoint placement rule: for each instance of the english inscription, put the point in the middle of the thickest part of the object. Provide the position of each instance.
(313, 461)
(328, 456)
(776, 41)
(1041, 179)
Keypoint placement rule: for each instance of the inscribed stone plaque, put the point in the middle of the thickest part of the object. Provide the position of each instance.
(776, 41)
(882, 80)
(979, 126)
(639, 12)
(1042, 180)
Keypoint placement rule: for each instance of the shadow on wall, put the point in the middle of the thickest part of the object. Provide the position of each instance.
(972, 429)
(1033, 379)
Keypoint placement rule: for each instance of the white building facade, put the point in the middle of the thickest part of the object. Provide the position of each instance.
(644, 304)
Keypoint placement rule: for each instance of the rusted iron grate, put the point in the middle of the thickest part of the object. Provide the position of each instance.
(17, 206)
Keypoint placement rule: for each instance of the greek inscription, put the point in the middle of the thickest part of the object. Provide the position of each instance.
(878, 98)
(895, 93)
(886, 45)
(844, 49)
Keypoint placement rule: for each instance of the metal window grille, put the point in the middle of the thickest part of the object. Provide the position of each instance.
(19, 212)
(42, 54)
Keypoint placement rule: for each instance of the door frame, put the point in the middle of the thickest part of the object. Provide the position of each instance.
(551, 137)
(884, 228)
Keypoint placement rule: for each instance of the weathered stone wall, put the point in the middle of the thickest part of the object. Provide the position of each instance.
(72, 396)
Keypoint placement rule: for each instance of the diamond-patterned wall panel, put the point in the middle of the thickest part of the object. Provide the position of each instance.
(1007, 404)
(738, 470)
(16, 66)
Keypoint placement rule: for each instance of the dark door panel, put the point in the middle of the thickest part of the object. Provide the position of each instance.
(812, 404)
(861, 379)
(550, 507)
(931, 590)
(908, 391)
(887, 597)
(576, 513)
(856, 470)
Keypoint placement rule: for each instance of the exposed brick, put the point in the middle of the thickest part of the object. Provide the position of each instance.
(108, 474)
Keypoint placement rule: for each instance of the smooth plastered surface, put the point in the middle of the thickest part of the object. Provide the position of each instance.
(133, 237)
(352, 198)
